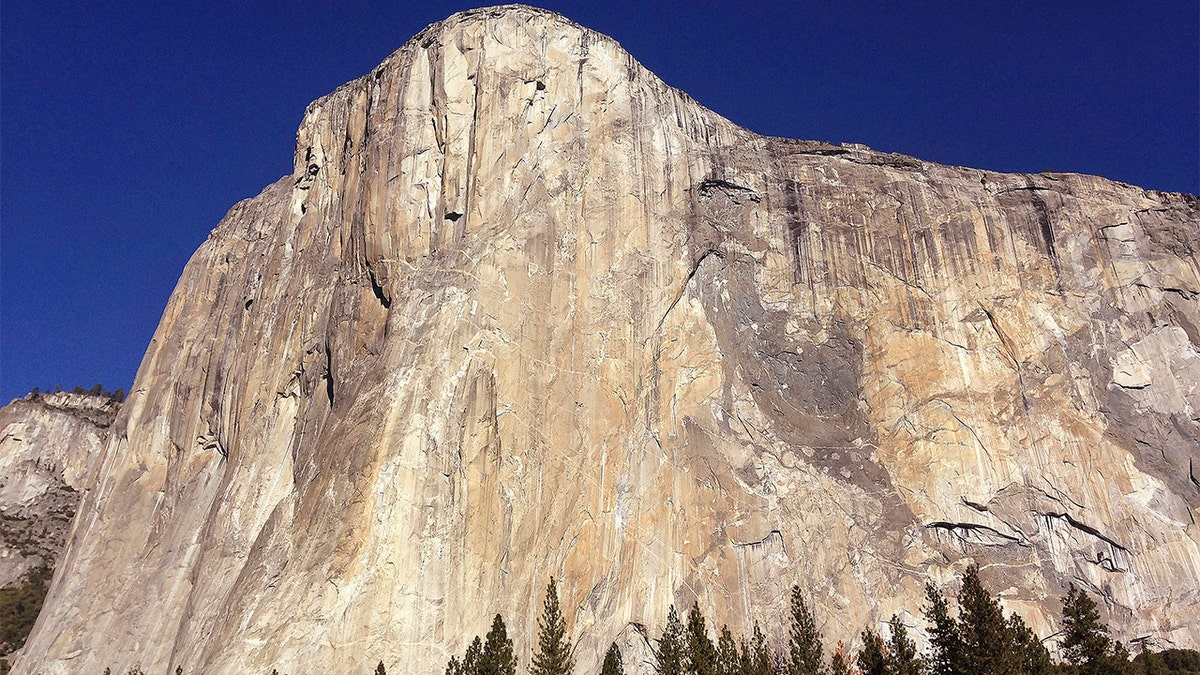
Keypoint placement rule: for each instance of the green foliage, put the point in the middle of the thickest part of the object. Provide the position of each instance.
(470, 663)
(671, 646)
(988, 645)
(902, 655)
(553, 655)
(96, 390)
(872, 658)
(1168, 662)
(1034, 659)
(20, 604)
(945, 657)
(491, 657)
(755, 656)
(1085, 642)
(612, 662)
(805, 652)
(473, 657)
(498, 657)
(728, 659)
(700, 653)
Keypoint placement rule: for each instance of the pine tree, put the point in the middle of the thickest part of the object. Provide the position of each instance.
(701, 655)
(872, 659)
(1035, 660)
(671, 647)
(1085, 640)
(553, 656)
(1117, 662)
(755, 657)
(804, 640)
(612, 662)
(380, 670)
(988, 647)
(944, 640)
(471, 660)
(497, 657)
(728, 659)
(839, 664)
(902, 656)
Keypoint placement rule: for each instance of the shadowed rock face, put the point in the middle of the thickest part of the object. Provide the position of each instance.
(523, 310)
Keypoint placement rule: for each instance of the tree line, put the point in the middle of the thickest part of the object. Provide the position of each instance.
(96, 390)
(976, 639)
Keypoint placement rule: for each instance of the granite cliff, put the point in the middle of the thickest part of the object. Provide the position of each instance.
(524, 310)
(49, 447)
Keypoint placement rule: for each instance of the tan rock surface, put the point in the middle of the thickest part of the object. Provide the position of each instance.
(523, 310)
(49, 447)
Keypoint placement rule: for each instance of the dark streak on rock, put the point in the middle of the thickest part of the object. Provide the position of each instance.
(378, 290)
(329, 375)
(1043, 216)
(1083, 527)
(984, 530)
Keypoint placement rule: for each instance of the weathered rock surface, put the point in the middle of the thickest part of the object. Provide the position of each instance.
(49, 447)
(524, 310)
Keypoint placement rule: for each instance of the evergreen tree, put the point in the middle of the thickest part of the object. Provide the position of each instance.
(471, 661)
(1034, 658)
(1168, 662)
(872, 659)
(701, 655)
(497, 657)
(671, 646)
(1085, 641)
(379, 669)
(612, 662)
(474, 657)
(804, 640)
(553, 656)
(728, 660)
(839, 664)
(755, 657)
(987, 644)
(1117, 662)
(902, 656)
(946, 655)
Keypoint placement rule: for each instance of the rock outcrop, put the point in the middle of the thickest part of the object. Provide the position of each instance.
(49, 447)
(524, 310)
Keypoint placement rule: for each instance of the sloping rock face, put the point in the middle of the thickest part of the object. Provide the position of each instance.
(49, 449)
(524, 311)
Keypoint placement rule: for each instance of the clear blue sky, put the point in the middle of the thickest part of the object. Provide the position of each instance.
(128, 129)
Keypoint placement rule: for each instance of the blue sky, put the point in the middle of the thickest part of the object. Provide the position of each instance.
(128, 129)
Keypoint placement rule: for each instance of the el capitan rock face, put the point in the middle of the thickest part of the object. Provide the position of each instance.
(523, 310)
